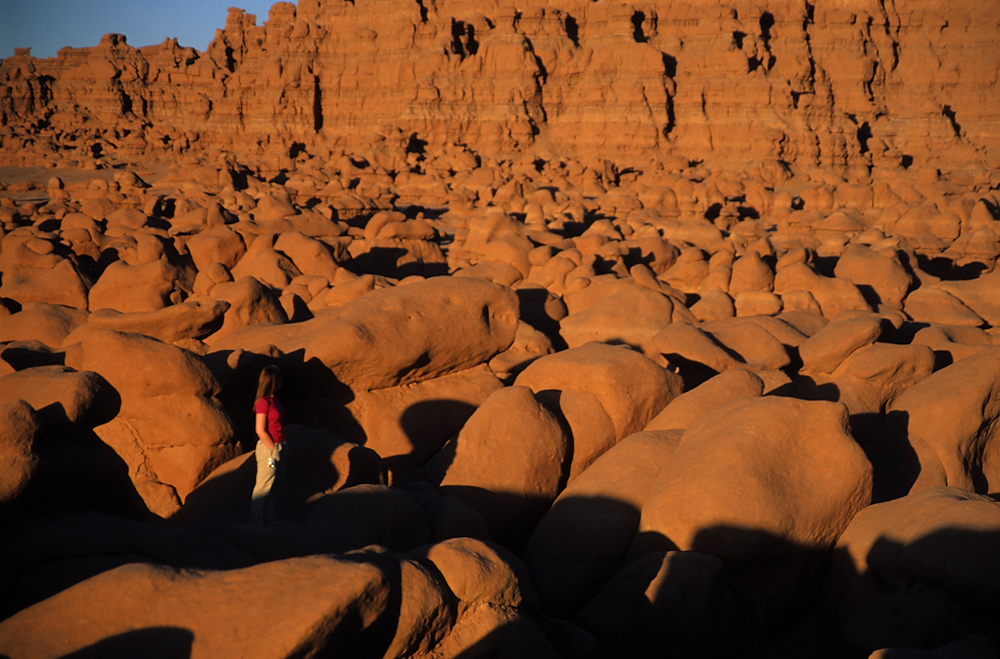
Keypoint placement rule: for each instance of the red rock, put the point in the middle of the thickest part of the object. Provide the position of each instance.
(631, 388)
(426, 613)
(310, 256)
(935, 540)
(632, 316)
(884, 277)
(832, 294)
(215, 245)
(591, 429)
(939, 306)
(477, 572)
(582, 540)
(977, 294)
(946, 420)
(529, 344)
(130, 288)
(408, 424)
(394, 337)
(750, 273)
(194, 319)
(264, 263)
(689, 347)
(61, 395)
(159, 383)
(348, 600)
(51, 280)
(871, 378)
(680, 598)
(359, 516)
(955, 342)
(717, 392)
(508, 462)
(739, 452)
(714, 305)
(47, 323)
(824, 351)
(17, 454)
(250, 303)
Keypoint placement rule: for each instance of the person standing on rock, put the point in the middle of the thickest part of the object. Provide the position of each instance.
(270, 418)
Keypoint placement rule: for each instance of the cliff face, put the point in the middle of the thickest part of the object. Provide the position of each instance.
(783, 83)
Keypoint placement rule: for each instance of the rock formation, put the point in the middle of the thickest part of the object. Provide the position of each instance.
(879, 85)
(607, 330)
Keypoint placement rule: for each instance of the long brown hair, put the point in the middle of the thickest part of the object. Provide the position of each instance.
(269, 382)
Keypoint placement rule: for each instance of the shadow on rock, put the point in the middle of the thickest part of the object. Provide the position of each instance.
(152, 642)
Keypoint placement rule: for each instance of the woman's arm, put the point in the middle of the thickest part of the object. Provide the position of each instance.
(262, 433)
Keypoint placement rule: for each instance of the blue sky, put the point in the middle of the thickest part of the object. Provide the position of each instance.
(48, 25)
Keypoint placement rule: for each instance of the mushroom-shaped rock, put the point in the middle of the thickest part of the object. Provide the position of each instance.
(826, 349)
(266, 264)
(936, 305)
(750, 273)
(127, 288)
(48, 323)
(141, 610)
(716, 392)
(631, 388)
(478, 572)
(943, 431)
(508, 462)
(882, 279)
(767, 487)
(714, 305)
(250, 303)
(408, 424)
(582, 540)
(19, 425)
(695, 352)
(679, 598)
(216, 245)
(590, 428)
(755, 346)
(979, 294)
(159, 384)
(367, 514)
(834, 295)
(310, 256)
(952, 343)
(193, 319)
(922, 563)
(872, 377)
(63, 397)
(756, 468)
(632, 316)
(36, 270)
(427, 611)
(398, 335)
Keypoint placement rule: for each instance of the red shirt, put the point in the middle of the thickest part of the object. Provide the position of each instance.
(275, 417)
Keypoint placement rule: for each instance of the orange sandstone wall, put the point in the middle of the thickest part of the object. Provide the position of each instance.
(782, 83)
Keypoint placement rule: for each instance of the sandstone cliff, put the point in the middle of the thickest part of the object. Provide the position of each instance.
(783, 84)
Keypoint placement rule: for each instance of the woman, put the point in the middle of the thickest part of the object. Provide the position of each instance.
(270, 417)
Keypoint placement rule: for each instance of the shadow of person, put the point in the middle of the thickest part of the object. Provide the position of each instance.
(428, 425)
(313, 463)
(318, 462)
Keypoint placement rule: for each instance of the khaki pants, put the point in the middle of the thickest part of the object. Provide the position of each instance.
(260, 508)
